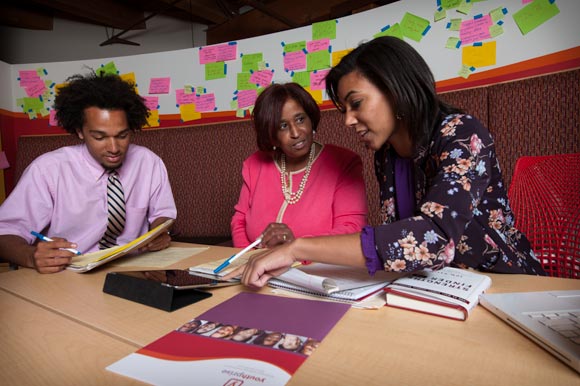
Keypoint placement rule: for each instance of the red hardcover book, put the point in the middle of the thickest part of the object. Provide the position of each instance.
(449, 292)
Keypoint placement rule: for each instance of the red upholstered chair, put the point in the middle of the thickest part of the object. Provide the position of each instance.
(545, 197)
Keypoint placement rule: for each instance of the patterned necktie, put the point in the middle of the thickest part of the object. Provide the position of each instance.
(116, 212)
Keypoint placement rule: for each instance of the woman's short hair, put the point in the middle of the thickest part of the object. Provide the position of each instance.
(267, 113)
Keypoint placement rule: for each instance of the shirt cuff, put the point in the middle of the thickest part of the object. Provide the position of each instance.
(372, 259)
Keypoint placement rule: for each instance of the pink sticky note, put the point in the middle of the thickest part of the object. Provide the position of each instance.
(3, 161)
(35, 89)
(159, 85)
(217, 53)
(205, 102)
(28, 74)
(152, 102)
(52, 118)
(246, 98)
(317, 79)
(318, 45)
(181, 98)
(262, 78)
(475, 30)
(295, 60)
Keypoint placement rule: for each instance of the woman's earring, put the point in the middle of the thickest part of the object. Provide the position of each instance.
(399, 117)
(274, 148)
(313, 132)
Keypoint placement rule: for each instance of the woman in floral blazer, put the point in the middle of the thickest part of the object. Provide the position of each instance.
(443, 201)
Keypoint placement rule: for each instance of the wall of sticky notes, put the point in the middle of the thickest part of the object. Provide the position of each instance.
(460, 39)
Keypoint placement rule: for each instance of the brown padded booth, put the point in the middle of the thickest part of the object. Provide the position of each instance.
(536, 116)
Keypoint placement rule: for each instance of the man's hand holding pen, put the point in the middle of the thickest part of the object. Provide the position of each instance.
(52, 256)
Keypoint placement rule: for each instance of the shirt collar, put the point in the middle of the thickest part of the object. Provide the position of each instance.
(93, 167)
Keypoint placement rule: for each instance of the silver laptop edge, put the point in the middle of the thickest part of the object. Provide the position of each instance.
(551, 341)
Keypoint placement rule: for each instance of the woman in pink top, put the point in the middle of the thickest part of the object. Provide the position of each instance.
(294, 186)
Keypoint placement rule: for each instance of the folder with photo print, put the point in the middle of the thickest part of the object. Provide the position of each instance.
(259, 339)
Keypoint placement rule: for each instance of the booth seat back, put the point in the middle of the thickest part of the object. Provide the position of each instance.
(536, 116)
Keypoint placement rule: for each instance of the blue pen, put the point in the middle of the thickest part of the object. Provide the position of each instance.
(44, 238)
(240, 253)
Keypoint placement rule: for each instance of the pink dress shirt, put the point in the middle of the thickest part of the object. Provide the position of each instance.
(64, 194)
(333, 202)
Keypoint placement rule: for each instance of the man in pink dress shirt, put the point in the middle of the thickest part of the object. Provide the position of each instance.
(63, 193)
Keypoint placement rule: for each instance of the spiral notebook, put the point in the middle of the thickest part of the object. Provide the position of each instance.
(342, 283)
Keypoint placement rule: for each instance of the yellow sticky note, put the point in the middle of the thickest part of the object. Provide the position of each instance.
(479, 55)
(153, 119)
(188, 112)
(316, 94)
(338, 55)
(129, 77)
(58, 86)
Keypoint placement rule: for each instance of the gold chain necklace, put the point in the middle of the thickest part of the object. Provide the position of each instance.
(293, 197)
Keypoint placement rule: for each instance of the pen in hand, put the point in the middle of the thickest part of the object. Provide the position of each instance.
(240, 253)
(44, 238)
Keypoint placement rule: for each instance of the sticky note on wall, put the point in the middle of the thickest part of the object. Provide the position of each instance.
(479, 55)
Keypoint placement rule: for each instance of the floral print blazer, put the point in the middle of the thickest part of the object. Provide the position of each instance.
(462, 216)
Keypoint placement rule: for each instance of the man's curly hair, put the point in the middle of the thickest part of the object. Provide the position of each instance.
(107, 92)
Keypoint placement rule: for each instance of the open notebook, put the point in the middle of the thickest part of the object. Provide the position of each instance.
(335, 282)
(88, 261)
(549, 318)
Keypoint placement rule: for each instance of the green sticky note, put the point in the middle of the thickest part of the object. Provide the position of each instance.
(495, 30)
(244, 81)
(107, 69)
(296, 46)
(465, 8)
(317, 60)
(414, 26)
(464, 71)
(535, 14)
(215, 70)
(324, 29)
(395, 31)
(234, 105)
(302, 78)
(44, 111)
(450, 4)
(496, 14)
(439, 15)
(250, 61)
(454, 24)
(453, 43)
(32, 104)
